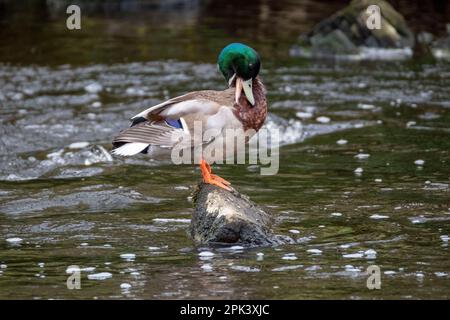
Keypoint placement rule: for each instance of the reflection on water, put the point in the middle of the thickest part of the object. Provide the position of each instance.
(65, 201)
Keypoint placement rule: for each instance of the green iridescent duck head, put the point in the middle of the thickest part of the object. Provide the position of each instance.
(239, 65)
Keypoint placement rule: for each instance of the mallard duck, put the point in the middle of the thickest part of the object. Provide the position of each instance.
(152, 130)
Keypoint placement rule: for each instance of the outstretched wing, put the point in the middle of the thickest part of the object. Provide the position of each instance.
(206, 102)
(172, 121)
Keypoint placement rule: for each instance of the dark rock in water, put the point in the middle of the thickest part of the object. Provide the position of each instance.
(223, 217)
(346, 31)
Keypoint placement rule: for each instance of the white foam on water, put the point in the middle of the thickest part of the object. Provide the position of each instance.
(420, 275)
(358, 171)
(370, 254)
(417, 220)
(153, 248)
(353, 255)
(207, 267)
(289, 256)
(206, 254)
(323, 119)
(287, 268)
(41, 264)
(336, 214)
(169, 220)
(236, 248)
(304, 115)
(350, 268)
(342, 141)
(100, 276)
(294, 231)
(364, 106)
(314, 251)
(362, 156)
(245, 269)
(128, 256)
(378, 217)
(389, 272)
(181, 188)
(73, 269)
(125, 286)
(88, 269)
(441, 274)
(419, 162)
(78, 145)
(313, 268)
(94, 87)
(15, 240)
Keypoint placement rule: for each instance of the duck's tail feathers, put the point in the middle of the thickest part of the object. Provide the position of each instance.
(130, 149)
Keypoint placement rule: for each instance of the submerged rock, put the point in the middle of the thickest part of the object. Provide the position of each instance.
(222, 217)
(346, 32)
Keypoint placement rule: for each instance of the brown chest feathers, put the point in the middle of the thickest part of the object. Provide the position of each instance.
(252, 117)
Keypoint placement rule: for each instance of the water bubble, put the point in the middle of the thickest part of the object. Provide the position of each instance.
(78, 145)
(370, 254)
(419, 162)
(207, 267)
(100, 276)
(125, 286)
(128, 256)
(389, 272)
(206, 254)
(362, 156)
(378, 217)
(15, 240)
(353, 255)
(289, 256)
(304, 115)
(94, 87)
(336, 214)
(323, 119)
(286, 268)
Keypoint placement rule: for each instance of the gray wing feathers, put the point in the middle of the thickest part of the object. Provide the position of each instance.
(154, 133)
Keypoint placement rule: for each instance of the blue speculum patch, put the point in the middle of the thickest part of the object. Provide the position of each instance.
(174, 123)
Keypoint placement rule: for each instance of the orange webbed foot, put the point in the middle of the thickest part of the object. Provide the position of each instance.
(213, 179)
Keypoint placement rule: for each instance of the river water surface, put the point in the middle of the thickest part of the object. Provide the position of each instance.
(364, 180)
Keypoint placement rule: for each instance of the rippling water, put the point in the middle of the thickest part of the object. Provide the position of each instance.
(350, 189)
(71, 203)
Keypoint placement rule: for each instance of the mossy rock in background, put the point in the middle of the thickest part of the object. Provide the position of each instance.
(346, 30)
